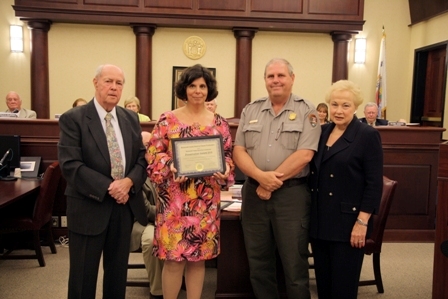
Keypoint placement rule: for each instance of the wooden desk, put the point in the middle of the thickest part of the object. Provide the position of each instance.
(232, 265)
(12, 191)
(410, 157)
(440, 272)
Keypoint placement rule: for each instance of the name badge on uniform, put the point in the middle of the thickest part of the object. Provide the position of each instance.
(253, 121)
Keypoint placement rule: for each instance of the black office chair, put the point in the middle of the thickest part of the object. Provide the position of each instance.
(40, 219)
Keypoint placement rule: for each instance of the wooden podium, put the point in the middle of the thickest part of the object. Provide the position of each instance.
(440, 274)
(411, 158)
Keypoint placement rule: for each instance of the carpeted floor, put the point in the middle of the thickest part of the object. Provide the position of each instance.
(406, 269)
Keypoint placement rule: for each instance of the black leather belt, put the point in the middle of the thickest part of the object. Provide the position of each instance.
(286, 184)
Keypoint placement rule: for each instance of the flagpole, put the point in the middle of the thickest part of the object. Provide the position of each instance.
(381, 91)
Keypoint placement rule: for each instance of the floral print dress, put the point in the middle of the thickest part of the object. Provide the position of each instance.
(187, 225)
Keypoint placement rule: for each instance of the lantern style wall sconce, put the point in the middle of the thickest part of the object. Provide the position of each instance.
(360, 50)
(16, 38)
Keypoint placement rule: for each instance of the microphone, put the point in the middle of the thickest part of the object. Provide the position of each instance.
(4, 157)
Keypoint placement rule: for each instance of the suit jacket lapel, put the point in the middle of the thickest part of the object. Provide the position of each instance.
(345, 140)
(97, 131)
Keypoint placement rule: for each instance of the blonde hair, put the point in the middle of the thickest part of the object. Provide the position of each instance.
(346, 85)
(75, 103)
(132, 100)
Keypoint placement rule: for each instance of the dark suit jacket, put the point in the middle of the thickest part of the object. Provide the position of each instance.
(378, 122)
(344, 180)
(85, 163)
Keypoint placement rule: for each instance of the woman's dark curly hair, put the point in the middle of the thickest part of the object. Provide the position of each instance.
(192, 73)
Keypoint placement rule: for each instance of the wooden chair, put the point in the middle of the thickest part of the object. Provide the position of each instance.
(375, 242)
(40, 219)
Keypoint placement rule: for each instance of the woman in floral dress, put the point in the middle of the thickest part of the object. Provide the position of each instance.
(188, 211)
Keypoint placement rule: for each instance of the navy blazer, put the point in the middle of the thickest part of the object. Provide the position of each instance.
(85, 163)
(378, 121)
(345, 179)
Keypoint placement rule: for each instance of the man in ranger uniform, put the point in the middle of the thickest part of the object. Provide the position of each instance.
(276, 139)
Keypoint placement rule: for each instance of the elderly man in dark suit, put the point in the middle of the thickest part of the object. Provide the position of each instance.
(102, 157)
(371, 113)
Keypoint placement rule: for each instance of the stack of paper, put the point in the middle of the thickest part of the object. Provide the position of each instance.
(234, 207)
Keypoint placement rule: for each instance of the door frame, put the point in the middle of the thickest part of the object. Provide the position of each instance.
(419, 80)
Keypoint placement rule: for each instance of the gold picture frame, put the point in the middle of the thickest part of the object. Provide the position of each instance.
(198, 156)
(177, 72)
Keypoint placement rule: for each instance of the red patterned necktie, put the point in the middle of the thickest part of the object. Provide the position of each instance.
(114, 150)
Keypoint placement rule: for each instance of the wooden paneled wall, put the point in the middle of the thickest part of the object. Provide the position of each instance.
(285, 15)
(422, 10)
(340, 19)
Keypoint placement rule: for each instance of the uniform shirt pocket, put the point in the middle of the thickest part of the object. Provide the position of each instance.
(252, 135)
(289, 136)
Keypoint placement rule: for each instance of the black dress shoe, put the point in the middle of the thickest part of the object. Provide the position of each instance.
(151, 296)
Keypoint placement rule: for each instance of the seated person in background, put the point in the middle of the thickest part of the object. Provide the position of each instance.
(211, 105)
(371, 113)
(153, 265)
(79, 102)
(14, 104)
(322, 112)
(133, 103)
(144, 236)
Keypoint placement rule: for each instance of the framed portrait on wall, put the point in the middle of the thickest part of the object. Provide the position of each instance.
(177, 72)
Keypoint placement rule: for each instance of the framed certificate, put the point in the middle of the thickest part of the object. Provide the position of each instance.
(198, 156)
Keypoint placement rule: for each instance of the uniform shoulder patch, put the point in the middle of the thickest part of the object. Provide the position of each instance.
(313, 119)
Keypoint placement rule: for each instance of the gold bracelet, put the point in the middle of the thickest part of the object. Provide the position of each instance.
(361, 222)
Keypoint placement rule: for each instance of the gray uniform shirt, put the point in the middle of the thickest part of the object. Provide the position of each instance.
(269, 139)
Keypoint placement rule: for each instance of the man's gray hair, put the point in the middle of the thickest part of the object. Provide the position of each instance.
(99, 70)
(370, 104)
(281, 60)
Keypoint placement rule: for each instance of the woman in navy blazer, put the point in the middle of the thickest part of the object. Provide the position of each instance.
(346, 185)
